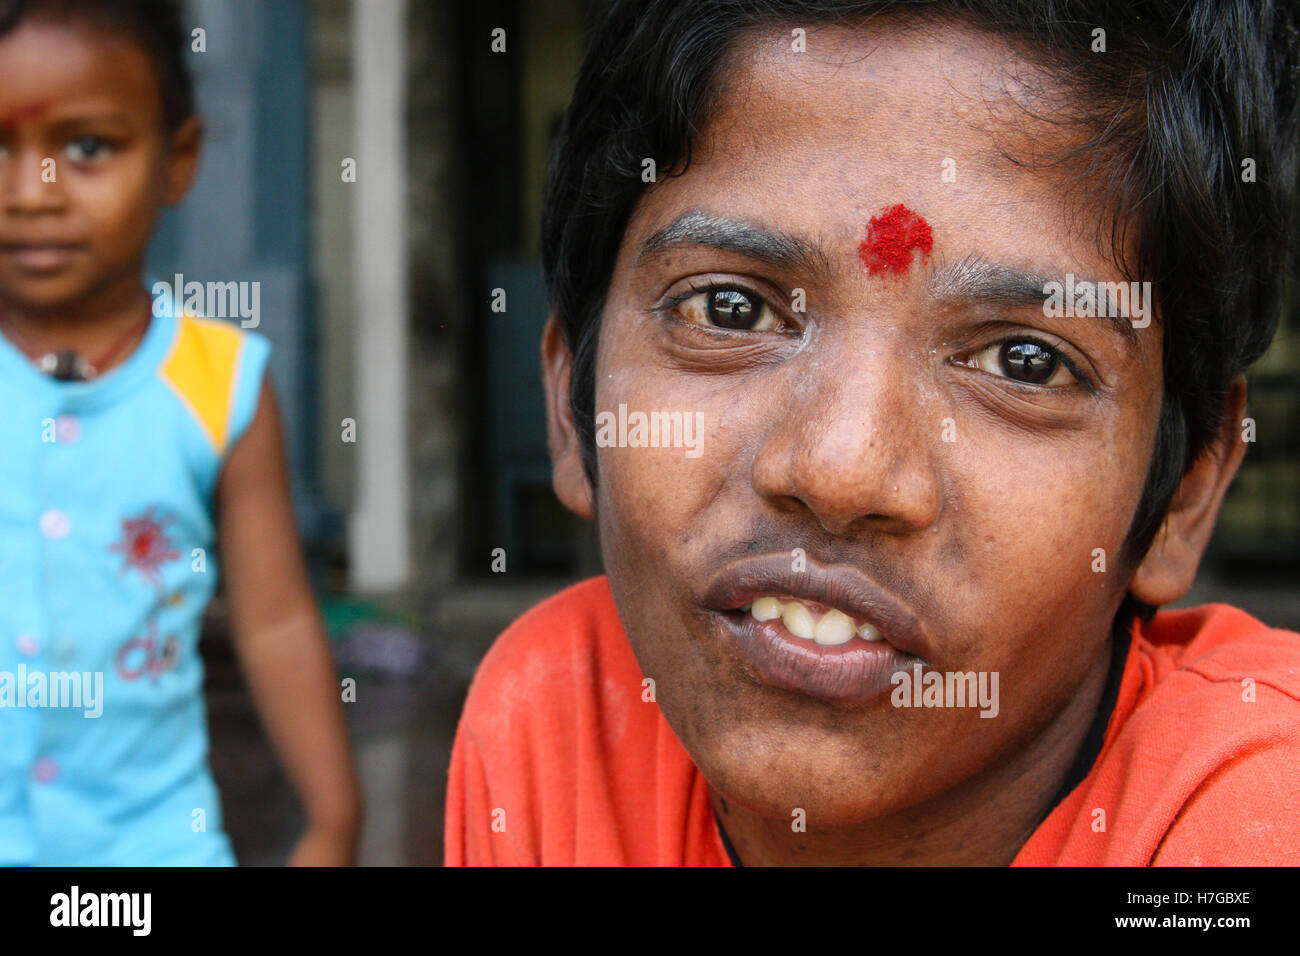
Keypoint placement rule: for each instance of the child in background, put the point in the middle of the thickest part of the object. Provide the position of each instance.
(132, 436)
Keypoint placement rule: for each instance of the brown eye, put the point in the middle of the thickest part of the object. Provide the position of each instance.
(727, 307)
(732, 308)
(1027, 361)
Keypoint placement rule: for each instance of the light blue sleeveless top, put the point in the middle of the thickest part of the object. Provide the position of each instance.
(106, 565)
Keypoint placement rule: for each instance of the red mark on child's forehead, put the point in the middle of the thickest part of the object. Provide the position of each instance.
(891, 237)
(11, 120)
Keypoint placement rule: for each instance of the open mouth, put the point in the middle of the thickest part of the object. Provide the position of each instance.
(810, 621)
(826, 631)
(854, 670)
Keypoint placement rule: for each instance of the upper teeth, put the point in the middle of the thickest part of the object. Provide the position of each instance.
(834, 627)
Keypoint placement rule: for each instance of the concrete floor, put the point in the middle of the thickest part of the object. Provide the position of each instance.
(403, 729)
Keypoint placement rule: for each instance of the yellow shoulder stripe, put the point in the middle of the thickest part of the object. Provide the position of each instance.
(201, 371)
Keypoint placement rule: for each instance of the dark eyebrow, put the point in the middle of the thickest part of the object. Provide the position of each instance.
(91, 119)
(775, 248)
(976, 279)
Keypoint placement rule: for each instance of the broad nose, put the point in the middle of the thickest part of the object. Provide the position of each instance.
(856, 446)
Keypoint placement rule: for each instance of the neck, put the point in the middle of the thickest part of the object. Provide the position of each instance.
(984, 821)
(86, 325)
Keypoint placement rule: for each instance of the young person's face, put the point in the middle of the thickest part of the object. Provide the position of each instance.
(87, 100)
(879, 432)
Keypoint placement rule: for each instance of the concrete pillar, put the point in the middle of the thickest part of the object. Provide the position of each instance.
(378, 536)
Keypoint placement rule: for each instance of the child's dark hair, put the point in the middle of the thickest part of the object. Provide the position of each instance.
(154, 24)
(1185, 92)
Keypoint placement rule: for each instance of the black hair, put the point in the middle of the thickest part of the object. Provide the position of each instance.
(154, 24)
(1187, 92)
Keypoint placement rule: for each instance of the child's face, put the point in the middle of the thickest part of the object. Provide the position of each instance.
(86, 164)
(881, 433)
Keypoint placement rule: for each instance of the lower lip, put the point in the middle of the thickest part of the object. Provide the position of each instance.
(856, 670)
(41, 259)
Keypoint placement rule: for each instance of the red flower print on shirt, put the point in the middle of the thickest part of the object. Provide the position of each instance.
(145, 546)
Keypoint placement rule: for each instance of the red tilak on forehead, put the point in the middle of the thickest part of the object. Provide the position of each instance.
(33, 111)
(891, 237)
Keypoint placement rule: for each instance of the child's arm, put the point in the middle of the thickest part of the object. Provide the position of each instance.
(280, 638)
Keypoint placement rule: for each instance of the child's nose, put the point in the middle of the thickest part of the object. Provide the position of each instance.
(29, 182)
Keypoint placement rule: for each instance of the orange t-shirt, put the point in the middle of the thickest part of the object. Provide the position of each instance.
(559, 761)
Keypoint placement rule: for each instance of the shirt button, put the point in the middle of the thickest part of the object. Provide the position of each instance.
(67, 429)
(55, 524)
(66, 650)
(27, 645)
(45, 769)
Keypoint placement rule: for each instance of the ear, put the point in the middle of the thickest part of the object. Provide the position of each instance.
(568, 477)
(1167, 571)
(183, 148)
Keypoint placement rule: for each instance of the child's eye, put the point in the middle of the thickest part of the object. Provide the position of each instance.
(727, 307)
(88, 149)
(1028, 361)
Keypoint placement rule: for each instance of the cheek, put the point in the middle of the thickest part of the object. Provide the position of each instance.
(648, 499)
(122, 203)
(1056, 495)
(664, 449)
(657, 509)
(1029, 556)
(1051, 525)
(1063, 501)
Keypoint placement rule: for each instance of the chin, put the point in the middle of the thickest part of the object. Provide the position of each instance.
(826, 786)
(823, 802)
(42, 293)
